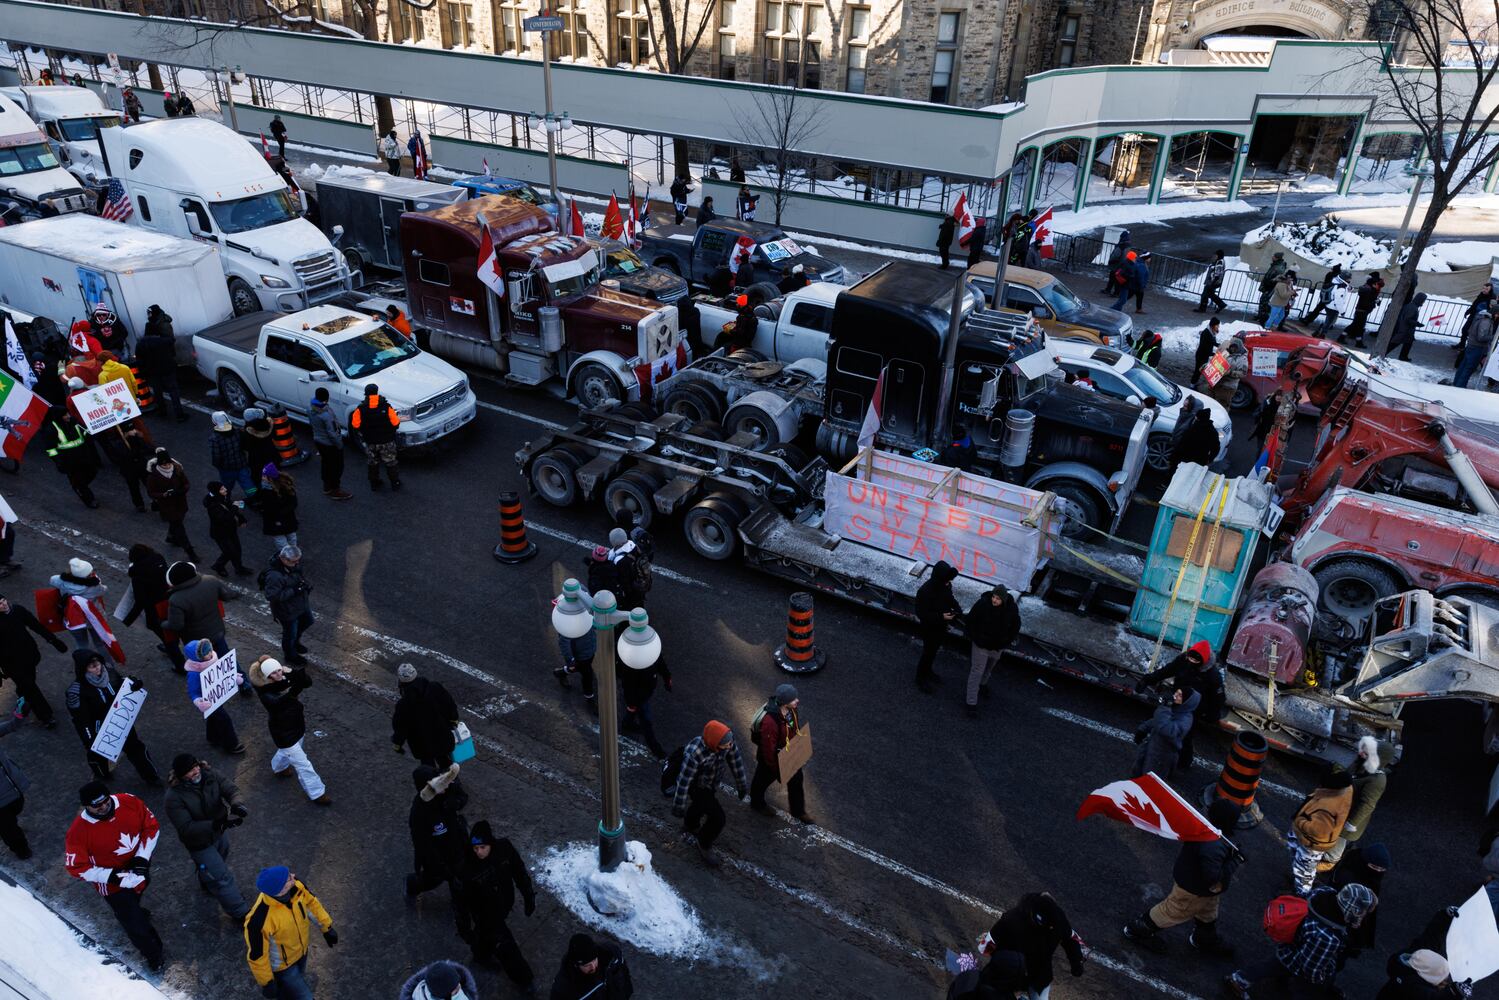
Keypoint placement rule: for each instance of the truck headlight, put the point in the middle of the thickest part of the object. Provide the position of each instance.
(404, 414)
(271, 281)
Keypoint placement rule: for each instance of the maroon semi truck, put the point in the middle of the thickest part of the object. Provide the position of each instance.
(555, 320)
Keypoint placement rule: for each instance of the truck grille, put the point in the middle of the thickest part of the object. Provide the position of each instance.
(317, 268)
(441, 401)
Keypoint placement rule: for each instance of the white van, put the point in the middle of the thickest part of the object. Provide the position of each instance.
(32, 180)
(72, 118)
(194, 177)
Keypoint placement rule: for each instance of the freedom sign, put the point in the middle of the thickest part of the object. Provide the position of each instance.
(101, 407)
(115, 729)
(219, 681)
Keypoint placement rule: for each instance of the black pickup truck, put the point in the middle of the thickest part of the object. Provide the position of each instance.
(696, 252)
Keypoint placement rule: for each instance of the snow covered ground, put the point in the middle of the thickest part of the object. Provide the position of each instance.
(44, 952)
(1327, 243)
(1136, 214)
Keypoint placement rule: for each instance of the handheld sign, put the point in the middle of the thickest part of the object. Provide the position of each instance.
(101, 407)
(1215, 369)
(220, 681)
(1263, 361)
(794, 756)
(115, 729)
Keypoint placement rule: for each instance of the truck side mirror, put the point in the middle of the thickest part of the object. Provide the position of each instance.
(197, 218)
(989, 395)
(338, 233)
(319, 376)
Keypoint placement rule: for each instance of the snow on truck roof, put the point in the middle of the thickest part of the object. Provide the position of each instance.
(194, 154)
(16, 127)
(63, 102)
(105, 245)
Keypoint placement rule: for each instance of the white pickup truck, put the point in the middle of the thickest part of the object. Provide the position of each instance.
(284, 357)
(792, 327)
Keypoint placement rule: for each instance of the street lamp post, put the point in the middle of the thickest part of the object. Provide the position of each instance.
(230, 78)
(1419, 177)
(573, 614)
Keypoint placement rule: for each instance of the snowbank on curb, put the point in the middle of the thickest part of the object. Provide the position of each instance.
(660, 921)
(44, 951)
(1326, 243)
(1139, 213)
(318, 172)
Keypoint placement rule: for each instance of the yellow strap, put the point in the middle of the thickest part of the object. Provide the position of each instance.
(1181, 572)
(1202, 585)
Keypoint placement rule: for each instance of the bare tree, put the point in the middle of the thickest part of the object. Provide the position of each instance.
(1444, 85)
(680, 25)
(780, 127)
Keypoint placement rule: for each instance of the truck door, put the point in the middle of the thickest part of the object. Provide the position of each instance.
(285, 371)
(805, 335)
(903, 397)
(390, 220)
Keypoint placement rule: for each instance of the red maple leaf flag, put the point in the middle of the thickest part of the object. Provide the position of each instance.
(488, 266)
(614, 222)
(874, 416)
(1152, 805)
(575, 223)
(1044, 238)
(964, 219)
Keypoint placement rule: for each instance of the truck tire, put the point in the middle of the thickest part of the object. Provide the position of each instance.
(1080, 503)
(236, 395)
(763, 290)
(242, 297)
(712, 526)
(1349, 586)
(554, 477)
(354, 259)
(668, 264)
(1243, 398)
(631, 492)
(698, 403)
(594, 386)
(1158, 452)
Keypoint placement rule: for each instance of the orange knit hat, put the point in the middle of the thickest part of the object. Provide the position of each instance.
(713, 734)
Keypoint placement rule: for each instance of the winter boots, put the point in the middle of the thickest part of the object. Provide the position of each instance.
(1206, 940)
(1143, 932)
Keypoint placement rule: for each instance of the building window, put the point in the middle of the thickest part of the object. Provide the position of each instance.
(1067, 39)
(632, 33)
(945, 65)
(858, 49)
(572, 41)
(460, 25)
(791, 49)
(413, 28)
(507, 28)
(726, 47)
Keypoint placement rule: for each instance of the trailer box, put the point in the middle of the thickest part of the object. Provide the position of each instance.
(369, 207)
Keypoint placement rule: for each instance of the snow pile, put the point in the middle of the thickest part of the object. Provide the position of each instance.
(1391, 200)
(1459, 254)
(318, 172)
(654, 918)
(1326, 242)
(42, 950)
(1138, 213)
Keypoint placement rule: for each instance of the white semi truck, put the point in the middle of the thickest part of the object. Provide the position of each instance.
(72, 118)
(33, 183)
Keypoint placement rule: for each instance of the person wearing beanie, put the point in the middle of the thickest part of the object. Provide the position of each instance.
(149, 590)
(484, 895)
(993, 624)
(441, 981)
(156, 354)
(1194, 669)
(1317, 825)
(696, 797)
(199, 656)
(1364, 865)
(112, 369)
(593, 969)
(89, 698)
(1422, 974)
(1036, 926)
(1202, 873)
(425, 716)
(773, 728)
(278, 506)
(278, 688)
(636, 688)
(259, 448)
(286, 590)
(1313, 957)
(19, 659)
(328, 438)
(167, 484)
(936, 609)
(1369, 776)
(439, 833)
(109, 846)
(278, 933)
(82, 597)
(630, 589)
(203, 806)
(224, 521)
(195, 605)
(226, 452)
(375, 422)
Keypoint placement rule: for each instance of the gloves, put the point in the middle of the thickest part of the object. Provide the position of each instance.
(398, 749)
(1077, 967)
(269, 990)
(129, 879)
(331, 936)
(239, 810)
(141, 866)
(678, 812)
(530, 905)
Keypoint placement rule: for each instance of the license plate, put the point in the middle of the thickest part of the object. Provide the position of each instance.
(451, 424)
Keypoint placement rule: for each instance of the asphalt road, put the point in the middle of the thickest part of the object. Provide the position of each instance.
(929, 823)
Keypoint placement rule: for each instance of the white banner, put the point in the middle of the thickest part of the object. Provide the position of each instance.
(220, 681)
(1262, 361)
(101, 407)
(115, 729)
(1473, 940)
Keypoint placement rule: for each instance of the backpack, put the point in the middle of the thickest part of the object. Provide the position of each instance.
(671, 770)
(640, 573)
(260, 578)
(765, 709)
(1283, 916)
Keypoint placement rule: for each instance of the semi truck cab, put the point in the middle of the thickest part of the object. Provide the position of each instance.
(32, 179)
(72, 118)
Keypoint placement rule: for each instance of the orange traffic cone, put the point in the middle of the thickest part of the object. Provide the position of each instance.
(513, 547)
(144, 397)
(287, 451)
(800, 654)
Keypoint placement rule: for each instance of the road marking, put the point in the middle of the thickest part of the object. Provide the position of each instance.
(550, 425)
(1106, 730)
(656, 568)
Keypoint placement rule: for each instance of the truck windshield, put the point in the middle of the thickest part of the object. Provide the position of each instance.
(1145, 379)
(373, 352)
(1060, 298)
(26, 159)
(84, 129)
(566, 281)
(254, 212)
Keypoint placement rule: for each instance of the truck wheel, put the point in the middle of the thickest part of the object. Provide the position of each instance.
(668, 264)
(632, 493)
(554, 476)
(1080, 504)
(712, 527)
(1158, 452)
(595, 387)
(243, 297)
(761, 425)
(353, 259)
(697, 403)
(237, 396)
(1242, 399)
(1349, 587)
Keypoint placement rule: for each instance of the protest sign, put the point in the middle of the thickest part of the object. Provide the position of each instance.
(115, 729)
(1473, 940)
(219, 681)
(101, 407)
(795, 754)
(1262, 361)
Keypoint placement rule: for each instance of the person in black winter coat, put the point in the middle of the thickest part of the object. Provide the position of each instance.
(19, 656)
(1193, 669)
(1419, 974)
(636, 687)
(936, 608)
(592, 969)
(1036, 926)
(1202, 873)
(148, 591)
(224, 522)
(13, 785)
(1207, 346)
(89, 698)
(439, 833)
(156, 353)
(1198, 441)
(424, 716)
(440, 981)
(278, 689)
(1365, 865)
(1364, 301)
(1406, 327)
(993, 624)
(1163, 737)
(945, 233)
(286, 590)
(484, 895)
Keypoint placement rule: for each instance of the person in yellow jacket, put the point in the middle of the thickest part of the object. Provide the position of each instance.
(278, 932)
(111, 368)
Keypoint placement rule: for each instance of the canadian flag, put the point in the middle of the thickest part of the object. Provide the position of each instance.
(575, 222)
(964, 218)
(264, 146)
(486, 168)
(614, 223)
(632, 224)
(874, 415)
(93, 616)
(1152, 805)
(489, 261)
(1044, 238)
(744, 249)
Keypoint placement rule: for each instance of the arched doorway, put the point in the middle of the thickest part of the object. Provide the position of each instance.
(1266, 19)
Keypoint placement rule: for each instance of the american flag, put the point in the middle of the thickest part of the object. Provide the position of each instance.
(117, 203)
